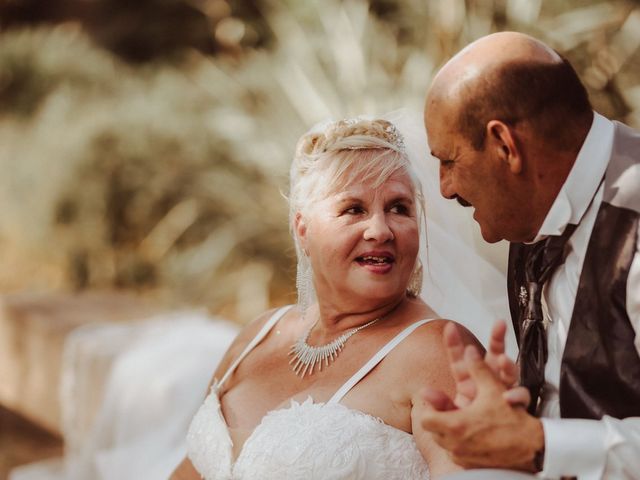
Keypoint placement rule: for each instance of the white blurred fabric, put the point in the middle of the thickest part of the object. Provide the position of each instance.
(128, 394)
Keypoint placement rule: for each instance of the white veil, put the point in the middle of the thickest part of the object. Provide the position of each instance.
(464, 277)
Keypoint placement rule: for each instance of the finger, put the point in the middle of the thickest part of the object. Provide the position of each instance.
(455, 353)
(459, 370)
(453, 344)
(435, 411)
(485, 378)
(440, 423)
(439, 400)
(466, 391)
(517, 397)
(496, 344)
(497, 339)
(509, 371)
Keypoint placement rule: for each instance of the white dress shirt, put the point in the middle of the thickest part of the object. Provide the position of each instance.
(589, 449)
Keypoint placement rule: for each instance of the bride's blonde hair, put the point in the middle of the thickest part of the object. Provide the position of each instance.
(336, 156)
(342, 153)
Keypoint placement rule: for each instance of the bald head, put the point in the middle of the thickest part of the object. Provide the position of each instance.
(512, 77)
(487, 55)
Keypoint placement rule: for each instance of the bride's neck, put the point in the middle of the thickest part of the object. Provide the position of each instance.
(333, 318)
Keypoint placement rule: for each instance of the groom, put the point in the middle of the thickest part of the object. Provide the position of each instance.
(517, 140)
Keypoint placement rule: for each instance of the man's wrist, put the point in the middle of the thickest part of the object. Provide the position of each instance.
(538, 445)
(538, 460)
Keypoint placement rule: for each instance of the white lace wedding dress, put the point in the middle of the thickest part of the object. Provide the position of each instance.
(307, 440)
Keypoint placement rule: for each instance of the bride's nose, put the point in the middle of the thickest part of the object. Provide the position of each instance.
(378, 229)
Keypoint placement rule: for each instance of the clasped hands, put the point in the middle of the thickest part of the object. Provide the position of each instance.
(486, 424)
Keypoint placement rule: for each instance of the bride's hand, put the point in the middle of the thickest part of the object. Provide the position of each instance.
(504, 368)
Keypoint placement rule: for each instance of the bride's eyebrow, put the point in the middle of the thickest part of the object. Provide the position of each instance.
(401, 198)
(349, 199)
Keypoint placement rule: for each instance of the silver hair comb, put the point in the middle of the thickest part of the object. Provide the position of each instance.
(394, 137)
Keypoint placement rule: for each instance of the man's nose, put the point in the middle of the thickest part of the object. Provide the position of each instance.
(378, 229)
(446, 185)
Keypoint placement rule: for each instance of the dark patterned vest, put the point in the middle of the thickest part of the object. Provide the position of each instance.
(600, 371)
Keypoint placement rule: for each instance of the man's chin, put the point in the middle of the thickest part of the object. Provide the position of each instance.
(488, 235)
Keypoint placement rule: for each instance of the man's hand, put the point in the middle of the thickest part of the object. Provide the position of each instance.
(495, 358)
(488, 431)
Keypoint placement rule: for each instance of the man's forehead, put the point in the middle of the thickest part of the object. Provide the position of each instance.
(439, 134)
(441, 110)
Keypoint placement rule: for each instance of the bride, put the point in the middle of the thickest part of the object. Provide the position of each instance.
(138, 434)
(324, 388)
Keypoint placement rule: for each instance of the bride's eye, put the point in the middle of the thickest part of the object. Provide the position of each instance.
(400, 208)
(353, 210)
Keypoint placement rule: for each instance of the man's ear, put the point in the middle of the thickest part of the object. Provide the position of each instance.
(501, 138)
(300, 226)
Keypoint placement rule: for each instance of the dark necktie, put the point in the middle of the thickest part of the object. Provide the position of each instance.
(540, 262)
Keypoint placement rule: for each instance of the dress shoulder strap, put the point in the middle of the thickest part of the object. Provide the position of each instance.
(266, 328)
(375, 360)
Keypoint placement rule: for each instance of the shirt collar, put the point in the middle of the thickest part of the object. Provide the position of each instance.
(583, 180)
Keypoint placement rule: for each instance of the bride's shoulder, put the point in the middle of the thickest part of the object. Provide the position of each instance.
(247, 333)
(431, 338)
(423, 354)
(251, 329)
(435, 331)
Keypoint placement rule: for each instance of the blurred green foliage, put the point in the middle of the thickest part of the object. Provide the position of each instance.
(146, 30)
(165, 176)
(36, 63)
(121, 175)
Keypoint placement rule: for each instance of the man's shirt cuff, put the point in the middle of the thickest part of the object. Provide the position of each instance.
(573, 447)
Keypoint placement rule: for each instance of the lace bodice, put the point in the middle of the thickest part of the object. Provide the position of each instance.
(307, 440)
